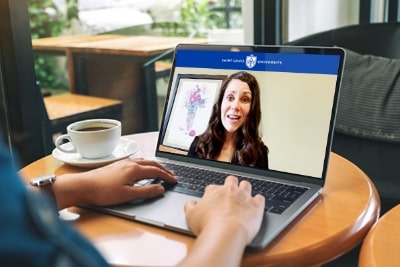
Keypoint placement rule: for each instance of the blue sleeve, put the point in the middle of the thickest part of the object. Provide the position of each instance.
(31, 234)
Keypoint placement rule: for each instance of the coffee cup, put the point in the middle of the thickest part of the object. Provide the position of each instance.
(91, 139)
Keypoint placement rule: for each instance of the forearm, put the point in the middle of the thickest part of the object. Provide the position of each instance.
(217, 246)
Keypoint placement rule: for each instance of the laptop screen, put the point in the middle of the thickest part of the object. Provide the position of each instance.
(297, 95)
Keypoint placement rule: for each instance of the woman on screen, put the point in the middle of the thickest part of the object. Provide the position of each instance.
(232, 134)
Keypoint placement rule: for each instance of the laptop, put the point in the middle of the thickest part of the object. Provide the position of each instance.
(299, 88)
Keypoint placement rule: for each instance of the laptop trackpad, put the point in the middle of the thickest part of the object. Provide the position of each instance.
(166, 212)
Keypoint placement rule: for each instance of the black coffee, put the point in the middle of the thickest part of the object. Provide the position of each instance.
(95, 128)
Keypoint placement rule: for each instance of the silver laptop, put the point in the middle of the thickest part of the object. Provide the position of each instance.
(299, 89)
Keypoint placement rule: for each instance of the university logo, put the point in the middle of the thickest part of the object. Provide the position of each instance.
(251, 61)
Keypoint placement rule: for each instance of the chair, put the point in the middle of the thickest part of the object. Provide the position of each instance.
(369, 88)
(66, 108)
(377, 154)
(379, 39)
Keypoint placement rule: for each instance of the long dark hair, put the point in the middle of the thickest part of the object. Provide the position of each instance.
(248, 142)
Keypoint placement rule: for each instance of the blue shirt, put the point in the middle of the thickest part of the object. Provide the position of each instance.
(31, 234)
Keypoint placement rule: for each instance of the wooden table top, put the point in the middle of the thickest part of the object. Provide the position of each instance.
(382, 245)
(339, 221)
(62, 43)
(137, 45)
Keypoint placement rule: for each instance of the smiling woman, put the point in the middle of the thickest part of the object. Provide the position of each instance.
(232, 134)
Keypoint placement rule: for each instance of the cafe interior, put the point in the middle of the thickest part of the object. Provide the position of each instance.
(112, 59)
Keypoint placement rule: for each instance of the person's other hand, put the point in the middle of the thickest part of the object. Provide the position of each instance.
(112, 184)
(230, 205)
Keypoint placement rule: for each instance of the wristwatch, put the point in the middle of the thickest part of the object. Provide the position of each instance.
(45, 183)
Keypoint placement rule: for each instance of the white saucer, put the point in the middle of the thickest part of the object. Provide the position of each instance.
(124, 149)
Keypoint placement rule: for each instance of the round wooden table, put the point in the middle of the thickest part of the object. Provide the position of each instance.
(339, 221)
(382, 245)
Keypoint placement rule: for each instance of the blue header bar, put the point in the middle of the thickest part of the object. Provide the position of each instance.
(256, 61)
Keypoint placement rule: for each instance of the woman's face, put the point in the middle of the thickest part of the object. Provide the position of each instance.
(235, 105)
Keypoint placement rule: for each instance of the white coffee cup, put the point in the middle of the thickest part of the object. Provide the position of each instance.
(92, 139)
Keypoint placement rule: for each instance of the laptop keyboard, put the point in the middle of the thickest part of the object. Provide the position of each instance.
(278, 196)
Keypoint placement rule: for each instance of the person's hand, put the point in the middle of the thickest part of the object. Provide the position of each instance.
(111, 184)
(225, 220)
(229, 204)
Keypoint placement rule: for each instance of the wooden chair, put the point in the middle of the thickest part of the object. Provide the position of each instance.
(162, 63)
(162, 69)
(66, 108)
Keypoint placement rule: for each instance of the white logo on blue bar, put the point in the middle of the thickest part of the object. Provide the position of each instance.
(251, 61)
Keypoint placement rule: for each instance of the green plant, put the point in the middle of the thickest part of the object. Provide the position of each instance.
(197, 17)
(46, 21)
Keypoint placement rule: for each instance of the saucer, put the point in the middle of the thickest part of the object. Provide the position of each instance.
(124, 149)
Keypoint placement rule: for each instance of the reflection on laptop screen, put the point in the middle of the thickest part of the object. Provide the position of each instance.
(297, 95)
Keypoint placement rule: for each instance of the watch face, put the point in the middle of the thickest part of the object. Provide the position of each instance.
(43, 180)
